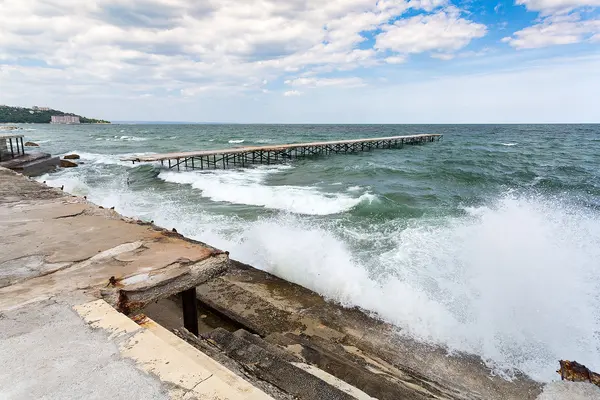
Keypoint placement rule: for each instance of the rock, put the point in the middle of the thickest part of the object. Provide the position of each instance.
(31, 144)
(72, 157)
(67, 164)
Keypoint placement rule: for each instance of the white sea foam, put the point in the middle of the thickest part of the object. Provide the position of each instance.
(515, 282)
(108, 159)
(236, 141)
(570, 391)
(133, 138)
(508, 144)
(247, 187)
(123, 138)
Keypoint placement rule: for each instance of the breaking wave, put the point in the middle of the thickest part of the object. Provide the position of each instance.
(107, 159)
(247, 187)
(514, 282)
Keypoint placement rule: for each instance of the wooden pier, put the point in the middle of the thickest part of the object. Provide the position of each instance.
(244, 156)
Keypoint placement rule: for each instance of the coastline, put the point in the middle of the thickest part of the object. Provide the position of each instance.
(348, 343)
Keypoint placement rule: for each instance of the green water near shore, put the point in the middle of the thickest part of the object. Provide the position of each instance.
(487, 241)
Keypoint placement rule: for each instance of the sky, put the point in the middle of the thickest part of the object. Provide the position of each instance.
(305, 61)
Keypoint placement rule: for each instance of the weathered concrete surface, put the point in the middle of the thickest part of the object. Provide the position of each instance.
(60, 252)
(48, 352)
(347, 343)
(233, 381)
(55, 243)
(31, 164)
(274, 368)
(184, 375)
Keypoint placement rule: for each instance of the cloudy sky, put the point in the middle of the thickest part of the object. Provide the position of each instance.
(334, 61)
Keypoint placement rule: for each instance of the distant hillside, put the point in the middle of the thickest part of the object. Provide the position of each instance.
(20, 115)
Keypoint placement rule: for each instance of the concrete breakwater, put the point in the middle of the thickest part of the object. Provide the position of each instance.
(64, 260)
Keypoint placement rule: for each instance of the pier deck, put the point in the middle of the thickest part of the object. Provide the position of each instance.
(242, 156)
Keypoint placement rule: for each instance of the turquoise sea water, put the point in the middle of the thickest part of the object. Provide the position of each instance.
(486, 242)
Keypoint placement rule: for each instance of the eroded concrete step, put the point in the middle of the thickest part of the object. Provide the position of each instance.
(186, 374)
(280, 368)
(347, 364)
(39, 167)
(360, 349)
(246, 389)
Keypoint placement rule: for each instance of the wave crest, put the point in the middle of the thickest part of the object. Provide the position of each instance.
(247, 187)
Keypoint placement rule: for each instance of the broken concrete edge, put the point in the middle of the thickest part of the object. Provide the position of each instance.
(234, 380)
(211, 349)
(269, 305)
(275, 366)
(131, 298)
(181, 374)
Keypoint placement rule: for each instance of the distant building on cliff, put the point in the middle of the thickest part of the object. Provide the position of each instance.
(64, 119)
(36, 108)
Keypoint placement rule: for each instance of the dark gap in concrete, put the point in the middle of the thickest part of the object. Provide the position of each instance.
(169, 314)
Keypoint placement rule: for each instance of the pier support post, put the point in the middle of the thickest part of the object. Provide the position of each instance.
(190, 310)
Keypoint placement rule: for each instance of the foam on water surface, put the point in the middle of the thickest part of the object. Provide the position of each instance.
(510, 276)
(108, 159)
(247, 187)
(514, 282)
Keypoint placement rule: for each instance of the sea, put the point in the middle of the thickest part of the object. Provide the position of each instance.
(486, 242)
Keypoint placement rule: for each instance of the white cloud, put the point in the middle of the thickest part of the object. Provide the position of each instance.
(551, 6)
(561, 23)
(443, 56)
(292, 93)
(555, 30)
(395, 60)
(443, 31)
(191, 48)
(320, 82)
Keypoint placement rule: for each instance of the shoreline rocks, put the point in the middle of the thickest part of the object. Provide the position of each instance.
(31, 144)
(67, 164)
(71, 157)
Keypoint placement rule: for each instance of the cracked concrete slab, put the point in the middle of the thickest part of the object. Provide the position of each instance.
(60, 251)
(55, 243)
